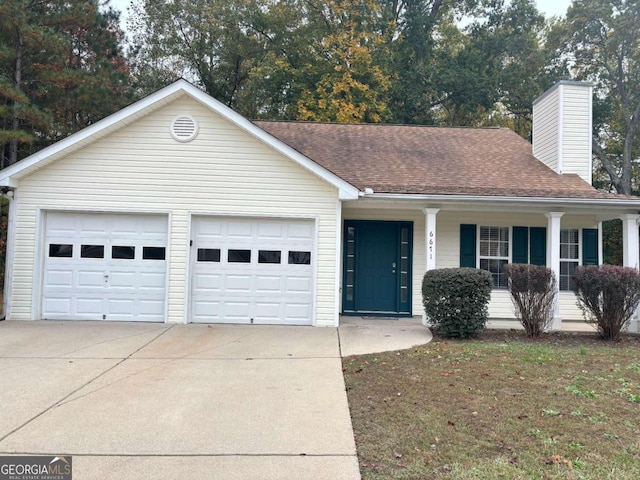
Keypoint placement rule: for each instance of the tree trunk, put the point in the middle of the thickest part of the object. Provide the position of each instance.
(15, 121)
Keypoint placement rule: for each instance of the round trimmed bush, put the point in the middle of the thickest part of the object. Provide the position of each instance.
(456, 300)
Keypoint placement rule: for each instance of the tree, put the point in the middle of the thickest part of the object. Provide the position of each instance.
(61, 69)
(351, 88)
(209, 43)
(602, 37)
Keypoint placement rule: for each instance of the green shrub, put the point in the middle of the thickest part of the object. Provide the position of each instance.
(533, 292)
(608, 297)
(456, 300)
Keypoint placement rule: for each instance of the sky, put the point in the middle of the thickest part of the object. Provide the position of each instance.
(548, 7)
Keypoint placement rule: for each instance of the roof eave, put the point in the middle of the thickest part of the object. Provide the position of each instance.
(497, 199)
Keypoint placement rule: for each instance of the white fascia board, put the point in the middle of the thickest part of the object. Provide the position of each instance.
(346, 190)
(539, 201)
(130, 113)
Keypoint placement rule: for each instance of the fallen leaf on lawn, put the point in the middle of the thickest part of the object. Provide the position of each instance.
(397, 455)
(450, 423)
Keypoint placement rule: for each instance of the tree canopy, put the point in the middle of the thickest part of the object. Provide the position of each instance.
(61, 69)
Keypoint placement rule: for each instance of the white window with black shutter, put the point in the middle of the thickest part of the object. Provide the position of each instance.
(492, 247)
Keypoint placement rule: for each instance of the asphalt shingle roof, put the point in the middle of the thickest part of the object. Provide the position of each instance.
(430, 160)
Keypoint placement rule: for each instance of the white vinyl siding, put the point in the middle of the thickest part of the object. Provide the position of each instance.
(562, 129)
(142, 169)
(576, 131)
(545, 131)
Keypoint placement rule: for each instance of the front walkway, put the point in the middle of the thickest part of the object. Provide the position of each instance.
(363, 335)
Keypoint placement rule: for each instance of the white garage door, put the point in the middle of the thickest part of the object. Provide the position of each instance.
(252, 271)
(104, 267)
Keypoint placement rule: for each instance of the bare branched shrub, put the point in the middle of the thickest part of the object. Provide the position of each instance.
(608, 297)
(533, 292)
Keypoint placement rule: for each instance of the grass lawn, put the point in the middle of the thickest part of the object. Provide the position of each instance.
(564, 407)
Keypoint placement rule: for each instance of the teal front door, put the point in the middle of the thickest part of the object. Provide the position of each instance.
(377, 273)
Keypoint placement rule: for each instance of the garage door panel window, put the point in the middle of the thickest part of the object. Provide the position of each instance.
(239, 256)
(208, 254)
(299, 258)
(121, 252)
(92, 251)
(59, 250)
(153, 253)
(269, 256)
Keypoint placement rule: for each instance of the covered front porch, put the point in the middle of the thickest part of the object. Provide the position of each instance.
(389, 241)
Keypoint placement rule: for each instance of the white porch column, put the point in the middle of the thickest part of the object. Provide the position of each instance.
(429, 244)
(553, 260)
(631, 254)
(430, 238)
(630, 240)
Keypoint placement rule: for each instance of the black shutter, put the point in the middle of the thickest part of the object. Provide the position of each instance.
(538, 247)
(468, 246)
(520, 245)
(590, 246)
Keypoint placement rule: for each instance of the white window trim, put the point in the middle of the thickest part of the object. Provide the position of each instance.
(579, 259)
(478, 229)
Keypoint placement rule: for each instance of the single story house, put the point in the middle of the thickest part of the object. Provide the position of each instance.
(178, 209)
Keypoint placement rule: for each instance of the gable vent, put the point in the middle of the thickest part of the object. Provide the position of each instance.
(184, 128)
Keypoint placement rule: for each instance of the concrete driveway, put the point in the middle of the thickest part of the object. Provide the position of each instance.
(138, 401)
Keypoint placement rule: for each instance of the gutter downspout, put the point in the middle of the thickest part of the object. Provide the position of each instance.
(9, 194)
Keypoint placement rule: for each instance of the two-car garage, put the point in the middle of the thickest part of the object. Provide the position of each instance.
(112, 266)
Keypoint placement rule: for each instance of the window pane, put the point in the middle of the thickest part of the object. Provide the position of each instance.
(404, 250)
(484, 233)
(349, 279)
(350, 263)
(92, 251)
(404, 265)
(239, 256)
(504, 234)
(57, 250)
(504, 249)
(300, 258)
(123, 252)
(404, 295)
(573, 252)
(564, 236)
(153, 253)
(405, 235)
(269, 256)
(350, 294)
(351, 233)
(208, 254)
(484, 248)
(564, 251)
(350, 247)
(574, 235)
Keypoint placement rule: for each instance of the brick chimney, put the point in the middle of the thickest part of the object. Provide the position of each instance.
(562, 118)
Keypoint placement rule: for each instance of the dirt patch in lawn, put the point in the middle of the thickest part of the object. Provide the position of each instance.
(566, 406)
